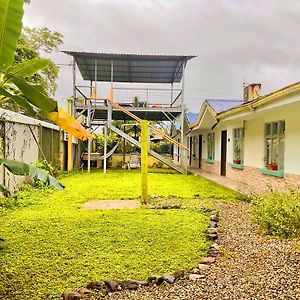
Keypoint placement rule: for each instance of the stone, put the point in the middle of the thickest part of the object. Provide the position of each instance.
(213, 224)
(178, 274)
(95, 285)
(143, 283)
(130, 284)
(212, 237)
(196, 195)
(215, 246)
(158, 280)
(212, 230)
(83, 291)
(208, 260)
(213, 253)
(213, 250)
(195, 277)
(113, 285)
(203, 267)
(169, 278)
(214, 218)
(195, 271)
(71, 295)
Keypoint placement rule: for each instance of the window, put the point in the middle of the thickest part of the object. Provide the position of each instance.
(238, 145)
(274, 145)
(211, 146)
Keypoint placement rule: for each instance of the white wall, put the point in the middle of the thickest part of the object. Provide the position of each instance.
(254, 142)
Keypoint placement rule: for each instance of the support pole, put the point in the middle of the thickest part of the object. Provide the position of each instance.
(71, 110)
(183, 156)
(144, 160)
(172, 89)
(105, 150)
(70, 153)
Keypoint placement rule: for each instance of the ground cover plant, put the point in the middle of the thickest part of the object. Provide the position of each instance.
(278, 213)
(52, 244)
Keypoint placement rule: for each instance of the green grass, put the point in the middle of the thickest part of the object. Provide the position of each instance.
(52, 244)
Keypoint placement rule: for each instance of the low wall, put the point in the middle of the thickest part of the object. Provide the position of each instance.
(117, 160)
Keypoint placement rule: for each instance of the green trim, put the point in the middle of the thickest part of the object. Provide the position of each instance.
(237, 166)
(277, 173)
(210, 161)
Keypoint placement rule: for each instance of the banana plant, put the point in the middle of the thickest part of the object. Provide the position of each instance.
(23, 169)
(13, 84)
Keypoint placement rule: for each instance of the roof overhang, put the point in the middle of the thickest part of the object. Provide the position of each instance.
(206, 117)
(130, 67)
(257, 103)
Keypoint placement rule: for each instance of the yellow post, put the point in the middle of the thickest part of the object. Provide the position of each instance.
(70, 146)
(144, 160)
(70, 153)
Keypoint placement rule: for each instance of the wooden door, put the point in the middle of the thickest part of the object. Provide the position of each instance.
(223, 152)
(200, 151)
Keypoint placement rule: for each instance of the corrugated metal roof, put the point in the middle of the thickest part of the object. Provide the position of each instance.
(220, 105)
(191, 117)
(131, 67)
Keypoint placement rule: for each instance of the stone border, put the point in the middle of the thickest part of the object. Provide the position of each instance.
(112, 285)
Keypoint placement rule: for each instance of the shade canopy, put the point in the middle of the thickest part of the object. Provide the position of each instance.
(130, 67)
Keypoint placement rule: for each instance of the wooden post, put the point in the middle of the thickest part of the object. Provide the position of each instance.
(144, 160)
(70, 153)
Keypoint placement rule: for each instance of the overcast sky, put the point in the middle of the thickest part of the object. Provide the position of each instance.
(234, 40)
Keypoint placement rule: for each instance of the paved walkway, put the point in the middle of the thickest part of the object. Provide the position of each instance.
(252, 266)
(225, 181)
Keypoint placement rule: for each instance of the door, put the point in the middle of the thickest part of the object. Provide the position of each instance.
(223, 152)
(200, 151)
(191, 149)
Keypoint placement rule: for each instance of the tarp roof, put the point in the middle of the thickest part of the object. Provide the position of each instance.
(131, 67)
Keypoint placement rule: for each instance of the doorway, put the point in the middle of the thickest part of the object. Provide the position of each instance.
(223, 152)
(200, 151)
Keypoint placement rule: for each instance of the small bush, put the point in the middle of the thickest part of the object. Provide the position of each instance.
(278, 213)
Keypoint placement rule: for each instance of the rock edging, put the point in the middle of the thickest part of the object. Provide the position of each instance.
(196, 273)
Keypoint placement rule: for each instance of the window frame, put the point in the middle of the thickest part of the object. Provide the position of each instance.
(211, 147)
(238, 138)
(275, 131)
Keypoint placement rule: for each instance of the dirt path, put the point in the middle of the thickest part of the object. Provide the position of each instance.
(252, 267)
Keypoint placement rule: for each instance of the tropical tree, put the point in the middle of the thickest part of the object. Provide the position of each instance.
(14, 83)
(30, 45)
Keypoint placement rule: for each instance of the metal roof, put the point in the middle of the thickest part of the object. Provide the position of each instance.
(220, 105)
(131, 67)
(191, 117)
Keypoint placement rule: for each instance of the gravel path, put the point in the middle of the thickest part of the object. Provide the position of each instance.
(252, 266)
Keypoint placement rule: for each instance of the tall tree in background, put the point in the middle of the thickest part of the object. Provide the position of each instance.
(31, 44)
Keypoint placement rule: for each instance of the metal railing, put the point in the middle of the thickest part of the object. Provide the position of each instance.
(147, 97)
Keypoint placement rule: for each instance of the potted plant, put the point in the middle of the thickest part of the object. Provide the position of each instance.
(237, 155)
(272, 166)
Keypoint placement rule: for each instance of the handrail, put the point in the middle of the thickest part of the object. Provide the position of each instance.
(133, 116)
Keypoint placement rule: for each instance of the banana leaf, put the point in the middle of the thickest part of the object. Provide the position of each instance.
(21, 101)
(28, 68)
(34, 94)
(11, 14)
(23, 169)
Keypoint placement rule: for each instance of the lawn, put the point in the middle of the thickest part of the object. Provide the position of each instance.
(52, 244)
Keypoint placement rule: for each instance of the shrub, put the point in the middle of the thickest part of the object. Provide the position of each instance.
(278, 213)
